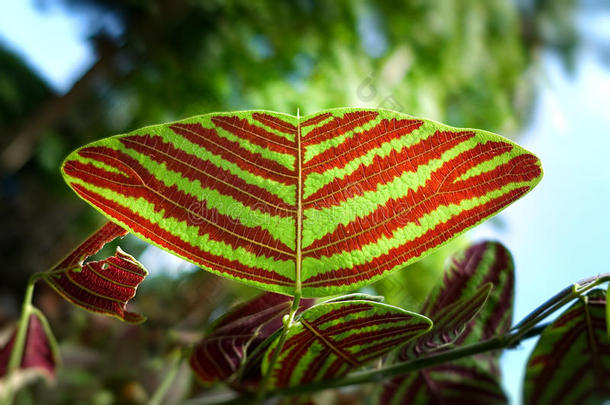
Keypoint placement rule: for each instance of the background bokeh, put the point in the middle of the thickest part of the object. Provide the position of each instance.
(72, 71)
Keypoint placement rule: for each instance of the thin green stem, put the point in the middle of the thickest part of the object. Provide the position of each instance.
(18, 349)
(168, 379)
(560, 299)
(280, 345)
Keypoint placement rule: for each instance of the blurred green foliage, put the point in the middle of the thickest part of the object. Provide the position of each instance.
(469, 64)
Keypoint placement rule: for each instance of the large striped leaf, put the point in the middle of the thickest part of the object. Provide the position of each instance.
(452, 306)
(333, 338)
(571, 362)
(223, 350)
(314, 205)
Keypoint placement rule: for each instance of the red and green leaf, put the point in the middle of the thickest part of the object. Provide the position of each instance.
(467, 273)
(333, 338)
(571, 362)
(103, 286)
(461, 315)
(40, 355)
(471, 381)
(313, 206)
(223, 351)
(449, 323)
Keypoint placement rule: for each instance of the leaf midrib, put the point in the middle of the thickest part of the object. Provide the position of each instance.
(299, 230)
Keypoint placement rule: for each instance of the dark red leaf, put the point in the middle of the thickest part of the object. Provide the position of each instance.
(221, 353)
(40, 354)
(103, 286)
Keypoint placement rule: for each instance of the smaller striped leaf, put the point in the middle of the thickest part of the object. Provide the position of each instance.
(103, 286)
(229, 342)
(335, 337)
(40, 355)
(571, 361)
(465, 312)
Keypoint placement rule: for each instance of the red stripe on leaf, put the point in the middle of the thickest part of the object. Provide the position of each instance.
(341, 313)
(276, 123)
(339, 126)
(254, 134)
(315, 120)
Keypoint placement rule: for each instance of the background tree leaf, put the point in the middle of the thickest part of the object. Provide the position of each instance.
(317, 205)
(40, 354)
(102, 286)
(473, 380)
(333, 338)
(571, 362)
(223, 350)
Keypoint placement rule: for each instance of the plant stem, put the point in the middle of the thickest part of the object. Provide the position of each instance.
(168, 379)
(18, 348)
(276, 352)
(560, 299)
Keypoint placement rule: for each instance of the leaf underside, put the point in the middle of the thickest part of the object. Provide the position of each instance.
(571, 362)
(315, 205)
(333, 338)
(103, 286)
(461, 316)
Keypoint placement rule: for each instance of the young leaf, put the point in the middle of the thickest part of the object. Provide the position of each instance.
(469, 272)
(222, 352)
(461, 315)
(449, 323)
(313, 206)
(571, 362)
(40, 356)
(102, 286)
(333, 338)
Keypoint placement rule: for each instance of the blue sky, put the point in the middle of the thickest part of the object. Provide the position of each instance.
(51, 41)
(558, 233)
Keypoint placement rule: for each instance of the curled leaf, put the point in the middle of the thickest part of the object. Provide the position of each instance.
(103, 286)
